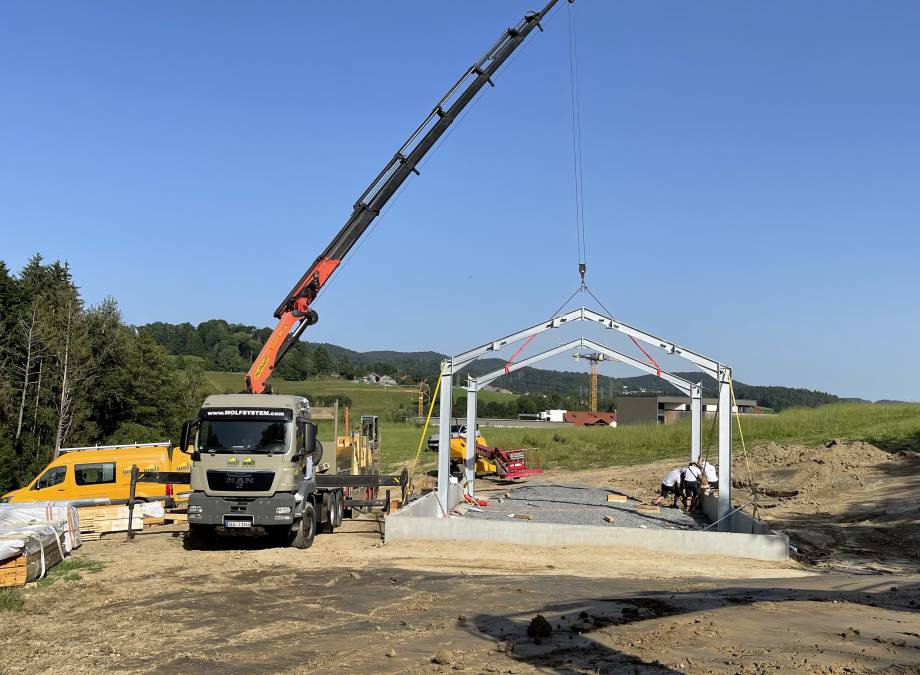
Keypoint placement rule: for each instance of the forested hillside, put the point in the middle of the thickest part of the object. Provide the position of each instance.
(218, 345)
(72, 374)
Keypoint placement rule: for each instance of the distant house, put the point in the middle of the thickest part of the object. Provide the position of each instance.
(590, 419)
(669, 409)
(386, 381)
(370, 378)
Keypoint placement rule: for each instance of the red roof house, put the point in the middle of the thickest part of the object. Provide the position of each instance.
(590, 419)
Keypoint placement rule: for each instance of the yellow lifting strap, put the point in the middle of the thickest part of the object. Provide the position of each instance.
(421, 441)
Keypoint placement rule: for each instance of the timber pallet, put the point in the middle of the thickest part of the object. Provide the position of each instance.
(14, 572)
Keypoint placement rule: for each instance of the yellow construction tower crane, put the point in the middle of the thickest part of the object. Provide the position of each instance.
(593, 359)
(424, 394)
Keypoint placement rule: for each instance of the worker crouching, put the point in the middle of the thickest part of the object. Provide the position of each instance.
(670, 485)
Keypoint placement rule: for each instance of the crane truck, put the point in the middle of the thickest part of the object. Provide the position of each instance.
(257, 465)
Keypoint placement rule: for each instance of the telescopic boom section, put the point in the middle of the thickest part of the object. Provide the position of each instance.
(295, 313)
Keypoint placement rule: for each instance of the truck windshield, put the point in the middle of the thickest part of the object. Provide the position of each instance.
(243, 436)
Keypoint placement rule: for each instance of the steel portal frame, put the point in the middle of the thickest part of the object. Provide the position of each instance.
(717, 370)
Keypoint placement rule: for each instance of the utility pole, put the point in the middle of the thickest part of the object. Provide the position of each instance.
(593, 359)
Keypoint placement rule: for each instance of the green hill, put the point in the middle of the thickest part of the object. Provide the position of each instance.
(221, 346)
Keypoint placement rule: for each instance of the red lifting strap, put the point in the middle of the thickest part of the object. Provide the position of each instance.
(515, 355)
(647, 355)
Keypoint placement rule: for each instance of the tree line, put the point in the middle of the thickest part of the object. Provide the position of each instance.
(219, 345)
(73, 374)
(232, 347)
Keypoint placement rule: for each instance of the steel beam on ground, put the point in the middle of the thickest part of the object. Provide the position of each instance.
(471, 438)
(446, 402)
(725, 448)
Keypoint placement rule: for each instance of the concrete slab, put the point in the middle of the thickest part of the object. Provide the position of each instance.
(420, 521)
(677, 542)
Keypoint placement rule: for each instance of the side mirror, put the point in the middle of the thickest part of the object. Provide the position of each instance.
(185, 437)
(309, 438)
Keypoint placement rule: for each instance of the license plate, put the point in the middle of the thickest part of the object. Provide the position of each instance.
(237, 522)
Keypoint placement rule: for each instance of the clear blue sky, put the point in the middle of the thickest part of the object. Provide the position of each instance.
(751, 171)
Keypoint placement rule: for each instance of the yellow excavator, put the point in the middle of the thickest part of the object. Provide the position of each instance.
(504, 464)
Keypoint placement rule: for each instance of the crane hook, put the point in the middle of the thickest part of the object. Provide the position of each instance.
(582, 268)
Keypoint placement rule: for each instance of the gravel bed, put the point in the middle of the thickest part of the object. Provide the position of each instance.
(578, 505)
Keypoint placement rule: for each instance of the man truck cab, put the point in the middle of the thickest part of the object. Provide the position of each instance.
(253, 470)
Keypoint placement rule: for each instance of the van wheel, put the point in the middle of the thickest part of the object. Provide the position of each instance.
(307, 530)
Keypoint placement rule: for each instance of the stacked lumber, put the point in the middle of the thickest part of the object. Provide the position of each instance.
(50, 511)
(14, 572)
(96, 521)
(28, 548)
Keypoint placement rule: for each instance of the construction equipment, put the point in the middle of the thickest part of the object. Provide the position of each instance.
(256, 461)
(593, 359)
(295, 312)
(504, 464)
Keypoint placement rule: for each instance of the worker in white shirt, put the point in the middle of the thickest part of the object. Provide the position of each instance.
(670, 485)
(690, 484)
(709, 471)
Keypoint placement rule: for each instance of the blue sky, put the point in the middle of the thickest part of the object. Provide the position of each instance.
(751, 171)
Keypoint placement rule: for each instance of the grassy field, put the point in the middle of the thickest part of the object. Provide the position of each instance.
(888, 426)
(483, 396)
(366, 399)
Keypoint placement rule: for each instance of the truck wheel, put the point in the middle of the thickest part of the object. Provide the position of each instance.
(329, 524)
(202, 536)
(307, 530)
(280, 535)
(339, 508)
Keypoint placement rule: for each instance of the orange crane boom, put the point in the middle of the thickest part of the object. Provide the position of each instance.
(295, 313)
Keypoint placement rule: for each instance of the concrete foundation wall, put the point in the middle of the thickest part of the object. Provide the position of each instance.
(427, 506)
(738, 522)
(419, 520)
(680, 542)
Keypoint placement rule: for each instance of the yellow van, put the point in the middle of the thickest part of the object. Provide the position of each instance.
(105, 471)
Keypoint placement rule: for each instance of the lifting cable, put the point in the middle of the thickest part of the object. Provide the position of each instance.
(577, 154)
(576, 141)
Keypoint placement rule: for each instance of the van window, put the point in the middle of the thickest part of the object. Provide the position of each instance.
(51, 477)
(93, 474)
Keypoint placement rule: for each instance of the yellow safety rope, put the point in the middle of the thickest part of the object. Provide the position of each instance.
(747, 464)
(421, 441)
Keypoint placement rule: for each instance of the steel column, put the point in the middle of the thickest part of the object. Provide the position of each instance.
(471, 437)
(446, 402)
(696, 422)
(725, 448)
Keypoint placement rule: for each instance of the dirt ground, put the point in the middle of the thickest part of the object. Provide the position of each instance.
(846, 506)
(352, 605)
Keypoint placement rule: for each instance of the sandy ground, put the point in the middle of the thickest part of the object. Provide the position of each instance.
(847, 506)
(352, 605)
